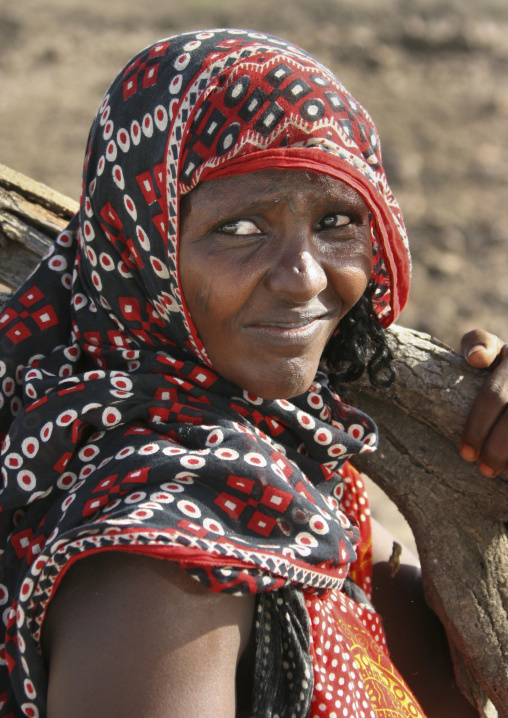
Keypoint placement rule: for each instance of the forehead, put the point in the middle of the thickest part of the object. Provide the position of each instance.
(304, 189)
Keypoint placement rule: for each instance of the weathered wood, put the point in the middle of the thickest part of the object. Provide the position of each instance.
(39, 194)
(31, 215)
(456, 514)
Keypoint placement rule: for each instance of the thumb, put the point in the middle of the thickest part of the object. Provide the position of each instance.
(480, 348)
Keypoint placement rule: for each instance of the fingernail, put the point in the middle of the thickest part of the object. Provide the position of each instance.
(468, 453)
(485, 470)
(474, 350)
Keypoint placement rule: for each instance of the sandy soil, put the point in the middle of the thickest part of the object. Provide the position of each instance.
(432, 73)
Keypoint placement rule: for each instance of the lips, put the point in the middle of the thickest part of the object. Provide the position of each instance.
(290, 329)
(290, 320)
(289, 325)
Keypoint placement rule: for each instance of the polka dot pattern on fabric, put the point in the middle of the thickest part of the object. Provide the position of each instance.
(353, 675)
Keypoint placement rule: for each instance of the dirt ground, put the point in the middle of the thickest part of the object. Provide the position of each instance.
(432, 73)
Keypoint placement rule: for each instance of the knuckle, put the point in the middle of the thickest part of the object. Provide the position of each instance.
(497, 388)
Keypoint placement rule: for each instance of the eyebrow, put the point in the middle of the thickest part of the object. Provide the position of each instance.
(271, 199)
(229, 209)
(243, 207)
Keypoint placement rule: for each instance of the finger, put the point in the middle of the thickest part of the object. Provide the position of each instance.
(493, 457)
(488, 407)
(481, 348)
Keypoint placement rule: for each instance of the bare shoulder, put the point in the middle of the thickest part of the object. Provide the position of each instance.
(131, 635)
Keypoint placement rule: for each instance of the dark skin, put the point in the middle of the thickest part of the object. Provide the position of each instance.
(287, 254)
(178, 656)
(415, 637)
(270, 262)
(486, 429)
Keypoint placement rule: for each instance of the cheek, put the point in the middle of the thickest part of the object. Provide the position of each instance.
(351, 282)
(363, 268)
(208, 307)
(194, 285)
(198, 297)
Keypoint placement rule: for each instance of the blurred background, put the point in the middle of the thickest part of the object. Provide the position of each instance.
(432, 73)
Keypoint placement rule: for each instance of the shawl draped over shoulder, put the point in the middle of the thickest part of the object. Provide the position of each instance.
(117, 433)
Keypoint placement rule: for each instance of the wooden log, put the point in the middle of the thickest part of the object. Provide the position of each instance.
(31, 215)
(456, 514)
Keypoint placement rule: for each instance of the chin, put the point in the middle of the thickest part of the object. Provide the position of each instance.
(284, 382)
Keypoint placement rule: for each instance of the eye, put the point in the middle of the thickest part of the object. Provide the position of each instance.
(240, 227)
(331, 221)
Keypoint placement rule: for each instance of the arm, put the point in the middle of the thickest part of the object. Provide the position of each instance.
(416, 638)
(132, 635)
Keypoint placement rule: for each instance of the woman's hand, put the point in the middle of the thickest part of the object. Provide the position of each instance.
(485, 435)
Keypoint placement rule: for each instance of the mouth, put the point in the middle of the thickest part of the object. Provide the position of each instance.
(294, 329)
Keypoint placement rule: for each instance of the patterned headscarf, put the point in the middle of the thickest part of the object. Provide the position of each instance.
(117, 432)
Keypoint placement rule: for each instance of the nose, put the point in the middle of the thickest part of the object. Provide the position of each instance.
(296, 271)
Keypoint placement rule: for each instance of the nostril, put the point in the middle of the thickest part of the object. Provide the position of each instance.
(298, 275)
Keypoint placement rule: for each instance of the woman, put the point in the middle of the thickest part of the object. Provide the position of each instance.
(162, 399)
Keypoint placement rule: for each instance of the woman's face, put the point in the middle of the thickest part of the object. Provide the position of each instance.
(269, 263)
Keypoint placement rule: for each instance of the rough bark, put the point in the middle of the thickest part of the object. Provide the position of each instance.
(31, 215)
(456, 514)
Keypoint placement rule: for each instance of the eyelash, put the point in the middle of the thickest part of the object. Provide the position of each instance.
(347, 223)
(223, 227)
